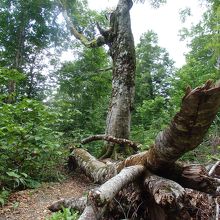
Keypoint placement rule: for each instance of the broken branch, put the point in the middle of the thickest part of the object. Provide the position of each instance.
(110, 139)
(212, 170)
(107, 191)
(100, 41)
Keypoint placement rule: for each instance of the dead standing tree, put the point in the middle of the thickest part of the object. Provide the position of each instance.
(152, 182)
(120, 41)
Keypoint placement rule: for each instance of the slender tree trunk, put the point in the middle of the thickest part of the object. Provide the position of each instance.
(17, 63)
(122, 51)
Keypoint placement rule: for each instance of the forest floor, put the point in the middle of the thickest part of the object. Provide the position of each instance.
(31, 204)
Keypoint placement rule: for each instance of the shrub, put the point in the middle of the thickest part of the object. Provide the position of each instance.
(29, 147)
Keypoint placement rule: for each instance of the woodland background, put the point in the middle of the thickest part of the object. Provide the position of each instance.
(45, 104)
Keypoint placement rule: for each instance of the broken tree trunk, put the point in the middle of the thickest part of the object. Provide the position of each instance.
(122, 51)
(186, 131)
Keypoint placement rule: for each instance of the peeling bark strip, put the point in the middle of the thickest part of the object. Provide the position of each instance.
(188, 127)
(110, 139)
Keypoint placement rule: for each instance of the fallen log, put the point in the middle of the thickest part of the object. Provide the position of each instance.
(107, 191)
(93, 168)
(74, 203)
(186, 131)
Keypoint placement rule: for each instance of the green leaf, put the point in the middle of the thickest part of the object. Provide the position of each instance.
(13, 174)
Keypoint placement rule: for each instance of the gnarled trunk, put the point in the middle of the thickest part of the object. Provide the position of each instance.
(120, 40)
(122, 51)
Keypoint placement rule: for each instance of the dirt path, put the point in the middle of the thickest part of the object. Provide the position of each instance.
(32, 204)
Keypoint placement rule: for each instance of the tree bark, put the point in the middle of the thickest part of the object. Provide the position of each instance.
(111, 139)
(165, 192)
(185, 132)
(120, 40)
(79, 204)
(122, 51)
(95, 169)
(107, 191)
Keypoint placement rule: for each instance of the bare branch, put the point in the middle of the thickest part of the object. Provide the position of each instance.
(110, 139)
(91, 44)
(212, 170)
(106, 192)
(105, 69)
(88, 213)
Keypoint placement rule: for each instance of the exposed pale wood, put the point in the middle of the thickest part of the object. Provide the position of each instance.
(212, 170)
(88, 214)
(107, 191)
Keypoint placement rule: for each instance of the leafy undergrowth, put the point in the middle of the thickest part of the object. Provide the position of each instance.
(65, 214)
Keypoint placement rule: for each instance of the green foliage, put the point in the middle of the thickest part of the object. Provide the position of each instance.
(27, 30)
(65, 214)
(4, 194)
(7, 75)
(201, 60)
(83, 95)
(184, 13)
(153, 84)
(29, 146)
(154, 69)
(153, 118)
